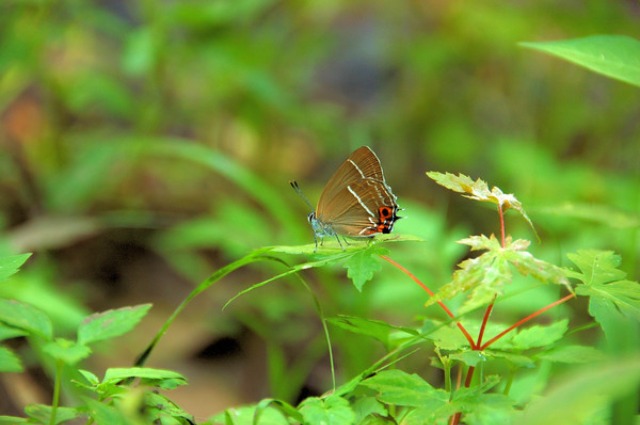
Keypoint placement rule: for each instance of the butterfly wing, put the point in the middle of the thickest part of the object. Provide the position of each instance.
(363, 209)
(362, 164)
(357, 201)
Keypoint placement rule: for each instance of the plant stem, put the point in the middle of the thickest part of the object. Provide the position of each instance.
(503, 242)
(464, 331)
(526, 319)
(56, 393)
(485, 319)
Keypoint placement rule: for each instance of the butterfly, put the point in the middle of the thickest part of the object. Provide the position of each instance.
(356, 202)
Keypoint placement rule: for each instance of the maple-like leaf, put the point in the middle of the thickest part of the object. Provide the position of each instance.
(485, 276)
(479, 191)
(613, 300)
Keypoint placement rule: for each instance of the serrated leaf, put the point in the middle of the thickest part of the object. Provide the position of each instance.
(484, 408)
(111, 323)
(479, 190)
(67, 351)
(402, 389)
(9, 361)
(166, 379)
(540, 335)
(11, 264)
(362, 266)
(332, 410)
(485, 276)
(26, 317)
(615, 56)
(611, 297)
(572, 354)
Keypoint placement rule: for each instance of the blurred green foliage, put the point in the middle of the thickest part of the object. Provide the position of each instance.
(147, 143)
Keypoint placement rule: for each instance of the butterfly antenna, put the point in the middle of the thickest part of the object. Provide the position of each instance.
(296, 187)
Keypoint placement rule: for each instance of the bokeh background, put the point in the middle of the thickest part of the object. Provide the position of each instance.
(145, 144)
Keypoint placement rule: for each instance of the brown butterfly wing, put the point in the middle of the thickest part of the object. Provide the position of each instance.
(351, 201)
(355, 209)
(362, 164)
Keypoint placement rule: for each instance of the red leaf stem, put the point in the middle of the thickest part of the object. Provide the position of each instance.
(525, 320)
(431, 293)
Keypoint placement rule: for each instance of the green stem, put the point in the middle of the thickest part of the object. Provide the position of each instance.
(56, 392)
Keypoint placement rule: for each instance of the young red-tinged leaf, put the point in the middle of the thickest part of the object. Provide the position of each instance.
(615, 56)
(332, 410)
(67, 351)
(11, 264)
(479, 190)
(26, 317)
(9, 361)
(111, 323)
(485, 276)
(402, 389)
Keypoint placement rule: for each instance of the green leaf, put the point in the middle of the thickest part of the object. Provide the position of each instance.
(381, 331)
(478, 190)
(332, 410)
(615, 56)
(540, 335)
(11, 264)
(246, 416)
(572, 354)
(362, 266)
(9, 332)
(67, 351)
(485, 276)
(400, 388)
(366, 406)
(9, 361)
(41, 413)
(159, 408)
(480, 407)
(26, 317)
(469, 357)
(613, 301)
(12, 420)
(104, 414)
(111, 323)
(166, 379)
(580, 395)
